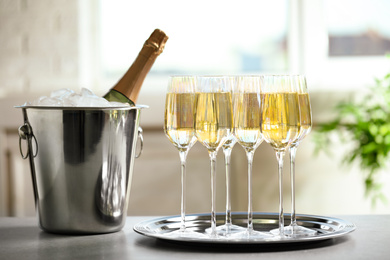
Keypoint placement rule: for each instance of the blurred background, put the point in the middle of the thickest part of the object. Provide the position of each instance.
(340, 45)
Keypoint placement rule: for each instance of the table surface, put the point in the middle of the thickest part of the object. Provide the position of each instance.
(21, 238)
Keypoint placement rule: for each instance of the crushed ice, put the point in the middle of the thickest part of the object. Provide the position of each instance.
(68, 98)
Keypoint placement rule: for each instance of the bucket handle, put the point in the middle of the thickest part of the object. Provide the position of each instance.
(25, 133)
(140, 140)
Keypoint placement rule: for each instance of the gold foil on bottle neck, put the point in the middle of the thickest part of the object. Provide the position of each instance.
(157, 49)
(157, 41)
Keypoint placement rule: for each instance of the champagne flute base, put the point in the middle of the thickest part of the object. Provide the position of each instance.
(295, 231)
(298, 231)
(251, 235)
(226, 229)
(276, 233)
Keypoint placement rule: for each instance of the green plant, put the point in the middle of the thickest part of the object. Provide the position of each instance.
(366, 125)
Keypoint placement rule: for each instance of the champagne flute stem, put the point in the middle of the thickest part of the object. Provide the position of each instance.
(280, 157)
(213, 159)
(293, 150)
(228, 221)
(183, 157)
(249, 155)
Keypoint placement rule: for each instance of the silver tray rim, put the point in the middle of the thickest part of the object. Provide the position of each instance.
(327, 227)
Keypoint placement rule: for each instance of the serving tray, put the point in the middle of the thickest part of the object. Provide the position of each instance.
(166, 228)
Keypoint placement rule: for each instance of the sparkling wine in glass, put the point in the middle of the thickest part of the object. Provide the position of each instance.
(179, 126)
(305, 127)
(280, 123)
(213, 124)
(247, 123)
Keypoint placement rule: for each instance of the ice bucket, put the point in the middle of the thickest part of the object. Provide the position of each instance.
(81, 162)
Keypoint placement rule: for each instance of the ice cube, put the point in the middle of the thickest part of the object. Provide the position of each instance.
(118, 104)
(72, 100)
(47, 101)
(87, 92)
(92, 101)
(62, 93)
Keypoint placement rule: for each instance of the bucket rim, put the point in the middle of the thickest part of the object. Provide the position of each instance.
(81, 108)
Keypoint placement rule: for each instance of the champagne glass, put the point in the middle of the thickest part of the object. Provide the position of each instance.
(227, 148)
(305, 127)
(179, 126)
(247, 122)
(280, 124)
(213, 124)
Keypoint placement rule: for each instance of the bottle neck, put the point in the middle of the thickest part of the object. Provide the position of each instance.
(131, 82)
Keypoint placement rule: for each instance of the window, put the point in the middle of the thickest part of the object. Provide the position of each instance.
(206, 37)
(338, 45)
(362, 29)
(331, 66)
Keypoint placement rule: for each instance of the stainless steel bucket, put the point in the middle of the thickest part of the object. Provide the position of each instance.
(81, 162)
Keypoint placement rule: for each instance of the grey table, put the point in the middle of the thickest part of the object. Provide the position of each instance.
(21, 238)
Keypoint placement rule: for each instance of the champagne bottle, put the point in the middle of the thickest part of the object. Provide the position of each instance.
(129, 86)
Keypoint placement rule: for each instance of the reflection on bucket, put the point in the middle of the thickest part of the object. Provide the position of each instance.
(112, 191)
(81, 164)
